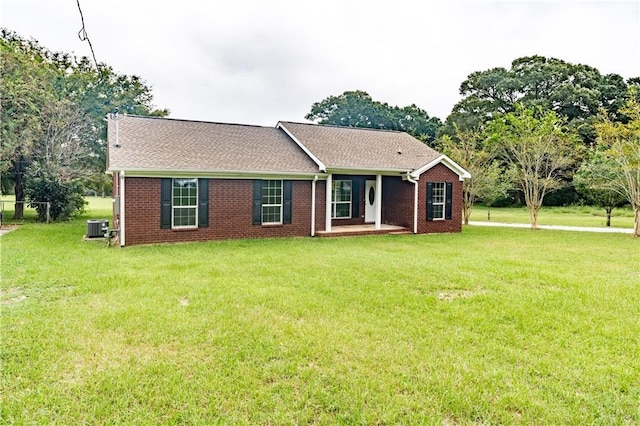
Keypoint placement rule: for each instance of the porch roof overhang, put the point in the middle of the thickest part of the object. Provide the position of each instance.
(367, 171)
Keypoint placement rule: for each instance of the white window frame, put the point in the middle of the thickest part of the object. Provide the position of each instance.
(443, 187)
(334, 204)
(193, 207)
(280, 205)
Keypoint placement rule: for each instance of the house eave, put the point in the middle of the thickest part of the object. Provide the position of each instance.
(447, 162)
(220, 174)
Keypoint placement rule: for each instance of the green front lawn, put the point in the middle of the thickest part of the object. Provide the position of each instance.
(492, 325)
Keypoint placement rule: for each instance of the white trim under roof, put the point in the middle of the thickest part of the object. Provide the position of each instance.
(315, 159)
(221, 174)
(448, 162)
(367, 171)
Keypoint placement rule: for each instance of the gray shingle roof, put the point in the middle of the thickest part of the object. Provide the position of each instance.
(356, 148)
(155, 144)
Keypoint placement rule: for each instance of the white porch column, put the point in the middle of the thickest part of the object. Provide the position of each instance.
(122, 205)
(327, 219)
(313, 205)
(378, 201)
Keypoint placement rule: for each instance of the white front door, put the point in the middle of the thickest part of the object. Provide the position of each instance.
(370, 201)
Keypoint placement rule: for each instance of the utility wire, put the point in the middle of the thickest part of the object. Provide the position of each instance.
(83, 36)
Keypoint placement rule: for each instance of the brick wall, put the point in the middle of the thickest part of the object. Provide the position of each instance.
(231, 207)
(397, 202)
(440, 173)
(230, 212)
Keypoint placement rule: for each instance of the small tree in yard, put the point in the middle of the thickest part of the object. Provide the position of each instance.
(496, 184)
(466, 150)
(58, 165)
(620, 142)
(539, 148)
(592, 181)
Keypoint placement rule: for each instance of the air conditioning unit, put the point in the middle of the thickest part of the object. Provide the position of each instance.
(96, 228)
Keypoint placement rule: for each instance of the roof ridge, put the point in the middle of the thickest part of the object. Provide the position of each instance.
(186, 120)
(346, 127)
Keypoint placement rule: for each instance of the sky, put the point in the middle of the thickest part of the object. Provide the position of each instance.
(259, 62)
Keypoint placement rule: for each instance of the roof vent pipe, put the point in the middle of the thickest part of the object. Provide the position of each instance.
(117, 119)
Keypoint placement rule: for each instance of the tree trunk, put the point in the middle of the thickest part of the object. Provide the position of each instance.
(18, 173)
(533, 214)
(488, 214)
(636, 221)
(608, 210)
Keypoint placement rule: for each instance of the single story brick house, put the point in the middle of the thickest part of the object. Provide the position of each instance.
(179, 180)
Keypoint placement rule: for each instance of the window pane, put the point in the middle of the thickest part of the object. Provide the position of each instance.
(438, 200)
(185, 201)
(438, 211)
(272, 192)
(341, 198)
(342, 210)
(271, 214)
(184, 216)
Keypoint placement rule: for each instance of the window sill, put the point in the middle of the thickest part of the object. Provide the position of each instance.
(273, 225)
(191, 228)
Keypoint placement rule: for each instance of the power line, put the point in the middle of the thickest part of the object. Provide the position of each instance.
(83, 36)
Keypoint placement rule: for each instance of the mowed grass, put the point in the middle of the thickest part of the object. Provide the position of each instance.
(621, 217)
(493, 325)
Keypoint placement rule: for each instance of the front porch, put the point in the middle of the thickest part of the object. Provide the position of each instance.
(366, 229)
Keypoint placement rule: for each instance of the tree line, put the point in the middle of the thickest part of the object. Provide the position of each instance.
(545, 130)
(53, 132)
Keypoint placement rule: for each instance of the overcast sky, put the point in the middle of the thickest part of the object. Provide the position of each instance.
(258, 62)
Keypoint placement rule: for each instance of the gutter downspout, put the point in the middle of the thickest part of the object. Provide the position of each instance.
(122, 222)
(313, 206)
(415, 202)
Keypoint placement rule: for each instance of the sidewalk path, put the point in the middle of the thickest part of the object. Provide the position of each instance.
(556, 227)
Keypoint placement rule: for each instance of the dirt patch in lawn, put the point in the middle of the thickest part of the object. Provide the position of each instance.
(11, 296)
(450, 295)
(7, 228)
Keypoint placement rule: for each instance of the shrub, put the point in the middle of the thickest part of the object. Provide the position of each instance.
(64, 195)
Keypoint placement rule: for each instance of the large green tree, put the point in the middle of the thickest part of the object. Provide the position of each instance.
(538, 148)
(45, 95)
(575, 92)
(26, 87)
(358, 109)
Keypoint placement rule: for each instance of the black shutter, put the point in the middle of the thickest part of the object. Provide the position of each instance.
(166, 189)
(286, 192)
(355, 197)
(429, 200)
(447, 205)
(203, 203)
(257, 202)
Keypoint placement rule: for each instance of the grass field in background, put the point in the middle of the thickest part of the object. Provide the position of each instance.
(491, 325)
(621, 217)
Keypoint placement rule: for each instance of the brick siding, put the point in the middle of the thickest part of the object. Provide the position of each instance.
(230, 209)
(439, 173)
(230, 213)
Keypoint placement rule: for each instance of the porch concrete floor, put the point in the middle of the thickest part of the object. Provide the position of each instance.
(368, 228)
